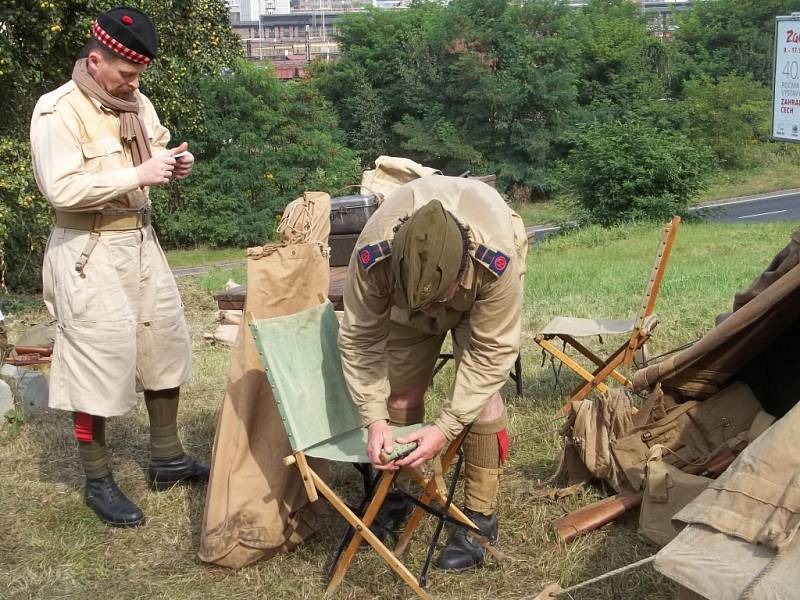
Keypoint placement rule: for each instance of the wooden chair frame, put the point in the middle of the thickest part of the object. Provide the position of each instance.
(322, 421)
(606, 368)
(314, 485)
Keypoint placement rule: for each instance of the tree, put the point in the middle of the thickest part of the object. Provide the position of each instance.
(731, 37)
(40, 40)
(629, 170)
(266, 142)
(621, 64)
(480, 85)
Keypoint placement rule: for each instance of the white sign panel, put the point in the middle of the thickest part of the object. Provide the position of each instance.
(786, 80)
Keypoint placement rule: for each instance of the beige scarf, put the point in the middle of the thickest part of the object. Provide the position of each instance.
(131, 127)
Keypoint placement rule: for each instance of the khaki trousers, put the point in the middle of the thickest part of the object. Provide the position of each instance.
(120, 325)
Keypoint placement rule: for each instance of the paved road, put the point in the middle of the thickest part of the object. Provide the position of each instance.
(781, 206)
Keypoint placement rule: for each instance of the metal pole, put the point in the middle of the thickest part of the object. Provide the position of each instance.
(308, 46)
(322, 7)
(260, 33)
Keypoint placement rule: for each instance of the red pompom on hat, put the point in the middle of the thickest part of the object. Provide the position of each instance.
(127, 32)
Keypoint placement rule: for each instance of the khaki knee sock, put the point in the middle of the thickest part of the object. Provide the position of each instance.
(162, 408)
(483, 465)
(401, 417)
(92, 445)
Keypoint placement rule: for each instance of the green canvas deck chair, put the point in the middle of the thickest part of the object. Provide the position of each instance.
(303, 365)
(569, 329)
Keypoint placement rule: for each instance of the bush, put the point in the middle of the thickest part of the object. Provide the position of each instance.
(627, 171)
(266, 142)
(25, 219)
(729, 116)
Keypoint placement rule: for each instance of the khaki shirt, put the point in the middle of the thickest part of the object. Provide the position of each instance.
(79, 161)
(489, 300)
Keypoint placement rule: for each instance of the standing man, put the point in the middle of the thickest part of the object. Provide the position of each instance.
(97, 147)
(441, 254)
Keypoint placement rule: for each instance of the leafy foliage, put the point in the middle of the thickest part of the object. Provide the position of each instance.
(477, 85)
(628, 170)
(729, 116)
(24, 218)
(266, 142)
(731, 37)
(620, 64)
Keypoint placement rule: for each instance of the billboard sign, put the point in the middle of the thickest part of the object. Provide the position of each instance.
(786, 80)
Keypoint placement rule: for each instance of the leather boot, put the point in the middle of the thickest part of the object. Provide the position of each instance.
(163, 474)
(393, 514)
(113, 507)
(462, 550)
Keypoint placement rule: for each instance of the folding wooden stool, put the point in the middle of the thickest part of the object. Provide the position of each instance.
(569, 329)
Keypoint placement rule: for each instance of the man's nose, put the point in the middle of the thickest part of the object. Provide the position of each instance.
(134, 83)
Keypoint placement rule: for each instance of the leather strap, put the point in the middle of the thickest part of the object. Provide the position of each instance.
(107, 220)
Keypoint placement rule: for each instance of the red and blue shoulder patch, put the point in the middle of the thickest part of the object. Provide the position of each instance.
(496, 261)
(371, 253)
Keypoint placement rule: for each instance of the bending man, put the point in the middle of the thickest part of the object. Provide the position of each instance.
(441, 254)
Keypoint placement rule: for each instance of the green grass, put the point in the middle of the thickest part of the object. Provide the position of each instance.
(51, 545)
(557, 210)
(203, 256)
(774, 168)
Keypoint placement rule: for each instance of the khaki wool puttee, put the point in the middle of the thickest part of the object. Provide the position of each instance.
(94, 454)
(426, 255)
(162, 408)
(483, 465)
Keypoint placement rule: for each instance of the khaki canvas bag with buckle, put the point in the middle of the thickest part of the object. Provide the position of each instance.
(691, 430)
(667, 491)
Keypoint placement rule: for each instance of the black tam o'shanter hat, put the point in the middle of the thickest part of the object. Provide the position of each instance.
(127, 32)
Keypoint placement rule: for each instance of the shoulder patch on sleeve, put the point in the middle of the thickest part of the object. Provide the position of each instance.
(494, 260)
(372, 253)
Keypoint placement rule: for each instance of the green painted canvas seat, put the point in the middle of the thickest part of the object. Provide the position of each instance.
(301, 356)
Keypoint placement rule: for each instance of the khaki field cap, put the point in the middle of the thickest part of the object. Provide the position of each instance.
(426, 255)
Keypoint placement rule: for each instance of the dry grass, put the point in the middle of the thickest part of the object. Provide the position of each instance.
(52, 546)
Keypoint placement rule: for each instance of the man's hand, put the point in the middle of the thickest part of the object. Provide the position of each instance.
(159, 169)
(183, 163)
(430, 441)
(380, 439)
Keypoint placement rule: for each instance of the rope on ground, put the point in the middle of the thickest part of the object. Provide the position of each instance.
(559, 592)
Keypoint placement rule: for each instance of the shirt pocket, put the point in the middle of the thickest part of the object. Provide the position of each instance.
(102, 154)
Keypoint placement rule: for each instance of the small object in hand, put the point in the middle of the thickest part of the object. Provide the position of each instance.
(179, 154)
(399, 451)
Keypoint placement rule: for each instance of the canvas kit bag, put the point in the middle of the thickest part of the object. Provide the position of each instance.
(690, 431)
(255, 506)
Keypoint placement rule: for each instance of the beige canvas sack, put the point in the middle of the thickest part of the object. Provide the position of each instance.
(586, 436)
(256, 507)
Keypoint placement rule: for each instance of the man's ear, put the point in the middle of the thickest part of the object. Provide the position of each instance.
(93, 61)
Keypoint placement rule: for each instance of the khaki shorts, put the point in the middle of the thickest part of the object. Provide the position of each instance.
(412, 354)
(120, 329)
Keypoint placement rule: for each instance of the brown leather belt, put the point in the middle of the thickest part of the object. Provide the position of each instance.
(107, 220)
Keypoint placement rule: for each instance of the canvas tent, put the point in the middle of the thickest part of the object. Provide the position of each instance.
(738, 537)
